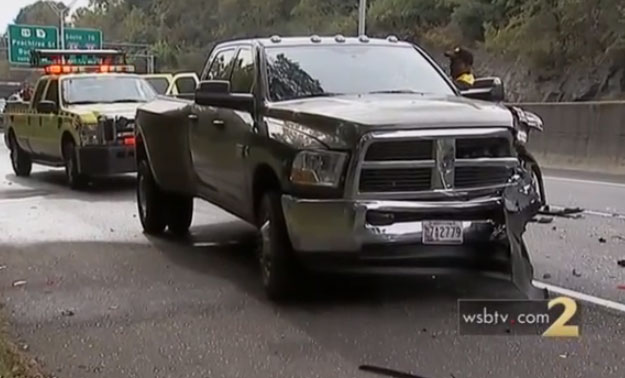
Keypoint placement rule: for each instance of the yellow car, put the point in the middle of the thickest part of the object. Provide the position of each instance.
(173, 84)
(80, 117)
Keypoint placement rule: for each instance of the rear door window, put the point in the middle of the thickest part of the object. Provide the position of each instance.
(221, 66)
(242, 79)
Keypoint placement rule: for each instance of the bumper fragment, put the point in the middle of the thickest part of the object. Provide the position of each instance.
(106, 160)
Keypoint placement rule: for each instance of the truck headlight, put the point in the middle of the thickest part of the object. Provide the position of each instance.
(318, 168)
(89, 134)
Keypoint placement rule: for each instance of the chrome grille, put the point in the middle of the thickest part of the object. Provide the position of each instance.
(405, 163)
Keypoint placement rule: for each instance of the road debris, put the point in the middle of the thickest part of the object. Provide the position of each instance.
(554, 228)
(3, 267)
(546, 276)
(621, 263)
(19, 283)
(67, 313)
(567, 212)
(621, 287)
(563, 356)
(576, 273)
(543, 220)
(602, 240)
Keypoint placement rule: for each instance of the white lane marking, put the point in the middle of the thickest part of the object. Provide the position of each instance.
(606, 183)
(14, 200)
(581, 296)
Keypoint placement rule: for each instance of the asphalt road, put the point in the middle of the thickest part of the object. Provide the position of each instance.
(101, 299)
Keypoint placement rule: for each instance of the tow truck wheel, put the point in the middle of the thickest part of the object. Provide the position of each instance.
(275, 255)
(150, 201)
(180, 214)
(20, 160)
(75, 179)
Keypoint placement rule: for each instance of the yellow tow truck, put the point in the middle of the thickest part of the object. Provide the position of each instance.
(80, 116)
(167, 84)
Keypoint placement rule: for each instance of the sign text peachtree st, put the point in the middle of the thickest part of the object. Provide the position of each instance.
(89, 39)
(24, 38)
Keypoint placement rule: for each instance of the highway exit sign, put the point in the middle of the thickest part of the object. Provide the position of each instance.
(24, 38)
(83, 39)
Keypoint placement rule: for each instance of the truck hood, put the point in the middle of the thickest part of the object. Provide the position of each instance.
(340, 121)
(126, 110)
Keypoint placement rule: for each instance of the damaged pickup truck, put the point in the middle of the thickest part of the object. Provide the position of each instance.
(349, 155)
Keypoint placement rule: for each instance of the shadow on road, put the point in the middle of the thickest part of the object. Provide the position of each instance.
(53, 183)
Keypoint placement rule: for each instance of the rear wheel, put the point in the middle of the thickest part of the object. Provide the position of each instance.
(179, 214)
(75, 179)
(276, 257)
(20, 160)
(150, 201)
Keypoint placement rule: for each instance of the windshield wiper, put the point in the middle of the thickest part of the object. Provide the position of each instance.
(86, 102)
(322, 94)
(397, 91)
(124, 100)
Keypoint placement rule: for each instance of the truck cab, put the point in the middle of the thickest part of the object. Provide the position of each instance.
(167, 84)
(80, 117)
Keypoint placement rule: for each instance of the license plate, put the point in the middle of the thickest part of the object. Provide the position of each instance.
(442, 233)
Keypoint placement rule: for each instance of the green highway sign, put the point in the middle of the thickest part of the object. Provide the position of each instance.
(79, 39)
(24, 38)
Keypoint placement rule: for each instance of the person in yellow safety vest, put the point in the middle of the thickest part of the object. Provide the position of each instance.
(461, 67)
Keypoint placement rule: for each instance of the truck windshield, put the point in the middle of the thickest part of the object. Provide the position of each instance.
(310, 71)
(106, 89)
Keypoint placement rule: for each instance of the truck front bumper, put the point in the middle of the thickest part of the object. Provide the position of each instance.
(106, 160)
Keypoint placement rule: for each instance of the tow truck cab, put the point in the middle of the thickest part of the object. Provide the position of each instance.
(181, 84)
(81, 115)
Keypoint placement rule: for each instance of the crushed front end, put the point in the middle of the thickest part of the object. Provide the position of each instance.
(425, 201)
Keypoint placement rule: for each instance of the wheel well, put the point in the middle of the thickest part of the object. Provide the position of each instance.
(66, 138)
(264, 179)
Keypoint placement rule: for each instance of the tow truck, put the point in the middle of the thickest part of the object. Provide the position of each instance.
(80, 117)
(167, 84)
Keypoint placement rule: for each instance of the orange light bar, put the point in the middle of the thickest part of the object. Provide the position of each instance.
(53, 70)
(129, 141)
(57, 69)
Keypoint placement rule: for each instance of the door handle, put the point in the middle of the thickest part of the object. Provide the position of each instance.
(192, 117)
(219, 123)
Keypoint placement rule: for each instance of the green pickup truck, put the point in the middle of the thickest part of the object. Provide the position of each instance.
(80, 119)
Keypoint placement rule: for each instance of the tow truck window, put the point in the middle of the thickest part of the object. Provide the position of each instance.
(41, 86)
(104, 89)
(186, 85)
(305, 71)
(243, 73)
(221, 66)
(53, 92)
(160, 84)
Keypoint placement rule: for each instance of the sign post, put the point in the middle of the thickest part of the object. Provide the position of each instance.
(25, 38)
(83, 39)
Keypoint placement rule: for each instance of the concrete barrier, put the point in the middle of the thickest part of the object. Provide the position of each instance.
(588, 136)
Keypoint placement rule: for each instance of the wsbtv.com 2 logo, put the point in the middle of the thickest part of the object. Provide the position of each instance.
(558, 317)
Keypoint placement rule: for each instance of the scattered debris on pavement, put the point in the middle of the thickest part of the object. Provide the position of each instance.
(618, 237)
(567, 212)
(563, 356)
(602, 240)
(19, 283)
(576, 273)
(543, 220)
(546, 276)
(3, 267)
(67, 313)
(621, 263)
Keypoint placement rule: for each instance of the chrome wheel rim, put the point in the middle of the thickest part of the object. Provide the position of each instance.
(265, 251)
(143, 203)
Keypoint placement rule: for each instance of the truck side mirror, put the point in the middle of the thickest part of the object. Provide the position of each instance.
(217, 93)
(486, 89)
(46, 107)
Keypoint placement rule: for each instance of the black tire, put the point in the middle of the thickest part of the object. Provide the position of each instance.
(75, 179)
(150, 201)
(275, 255)
(20, 160)
(180, 214)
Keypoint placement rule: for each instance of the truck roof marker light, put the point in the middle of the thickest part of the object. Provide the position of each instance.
(315, 38)
(392, 39)
(275, 39)
(339, 38)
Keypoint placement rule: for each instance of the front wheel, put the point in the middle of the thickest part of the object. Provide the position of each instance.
(275, 255)
(180, 214)
(75, 179)
(20, 160)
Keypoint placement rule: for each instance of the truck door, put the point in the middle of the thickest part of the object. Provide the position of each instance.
(205, 134)
(50, 131)
(34, 122)
(235, 133)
